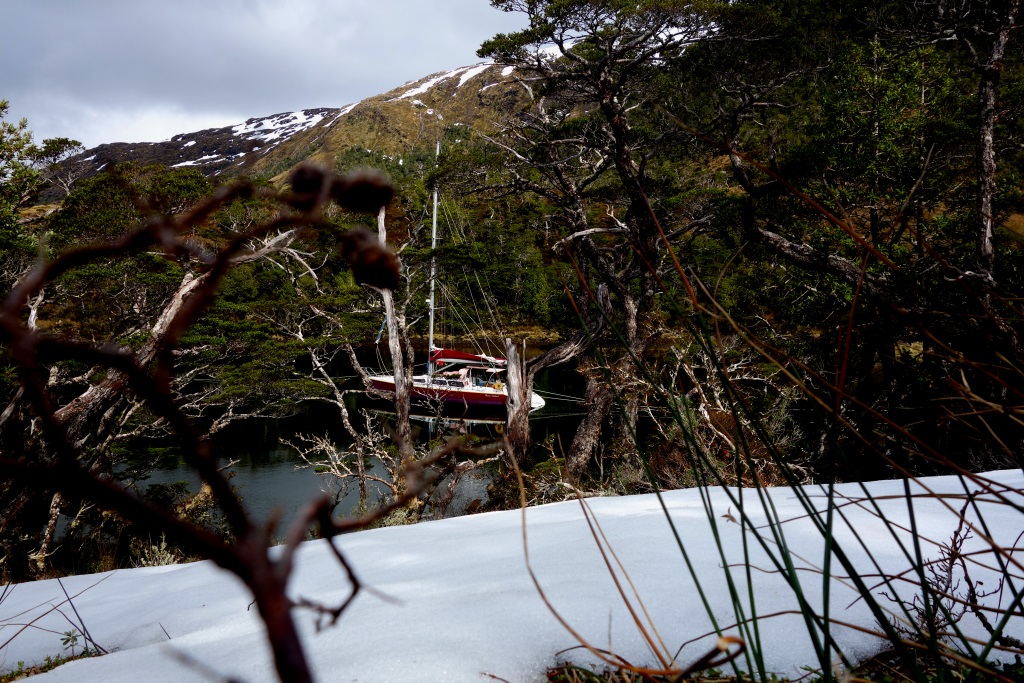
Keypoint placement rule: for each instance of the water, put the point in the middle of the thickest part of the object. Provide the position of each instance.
(271, 478)
(269, 481)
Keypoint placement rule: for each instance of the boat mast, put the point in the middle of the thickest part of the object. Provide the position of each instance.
(433, 269)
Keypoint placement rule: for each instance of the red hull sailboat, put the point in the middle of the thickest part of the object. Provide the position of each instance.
(460, 378)
(454, 377)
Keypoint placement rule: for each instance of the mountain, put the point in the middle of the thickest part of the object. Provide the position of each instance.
(392, 123)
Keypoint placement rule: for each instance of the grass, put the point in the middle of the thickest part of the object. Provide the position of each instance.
(48, 664)
(884, 667)
(570, 673)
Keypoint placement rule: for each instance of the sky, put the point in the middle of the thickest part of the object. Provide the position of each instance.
(454, 601)
(145, 70)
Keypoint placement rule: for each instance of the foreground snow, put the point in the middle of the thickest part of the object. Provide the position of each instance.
(464, 607)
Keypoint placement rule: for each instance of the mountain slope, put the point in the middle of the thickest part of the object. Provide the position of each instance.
(391, 123)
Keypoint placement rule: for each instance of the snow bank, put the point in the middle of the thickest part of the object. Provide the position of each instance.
(464, 606)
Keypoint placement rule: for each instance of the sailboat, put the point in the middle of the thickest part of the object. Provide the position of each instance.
(456, 378)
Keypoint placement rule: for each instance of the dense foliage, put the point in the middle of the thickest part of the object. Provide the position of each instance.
(768, 221)
(824, 173)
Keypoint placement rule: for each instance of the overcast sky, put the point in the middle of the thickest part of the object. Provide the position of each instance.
(144, 70)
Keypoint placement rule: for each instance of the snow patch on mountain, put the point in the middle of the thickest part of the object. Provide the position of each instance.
(474, 71)
(346, 110)
(465, 73)
(277, 126)
(198, 162)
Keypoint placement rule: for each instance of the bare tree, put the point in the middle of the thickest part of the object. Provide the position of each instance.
(983, 29)
(60, 460)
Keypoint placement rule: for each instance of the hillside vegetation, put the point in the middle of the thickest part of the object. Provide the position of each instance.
(780, 242)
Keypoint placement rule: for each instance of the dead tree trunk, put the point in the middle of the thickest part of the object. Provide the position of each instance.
(524, 372)
(83, 419)
(518, 403)
(403, 379)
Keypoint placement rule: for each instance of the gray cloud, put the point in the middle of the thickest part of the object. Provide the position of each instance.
(143, 70)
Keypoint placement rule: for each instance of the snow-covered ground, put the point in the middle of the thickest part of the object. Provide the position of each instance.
(464, 607)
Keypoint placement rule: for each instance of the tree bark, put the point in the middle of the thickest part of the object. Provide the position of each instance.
(988, 90)
(986, 171)
(518, 403)
(56, 505)
(403, 379)
(584, 444)
(12, 406)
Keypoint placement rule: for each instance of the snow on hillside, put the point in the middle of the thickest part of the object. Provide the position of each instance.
(464, 73)
(463, 607)
(277, 126)
(473, 71)
(347, 109)
(200, 161)
(238, 149)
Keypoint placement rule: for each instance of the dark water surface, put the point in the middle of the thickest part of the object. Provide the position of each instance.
(270, 475)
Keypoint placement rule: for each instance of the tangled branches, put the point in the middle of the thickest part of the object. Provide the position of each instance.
(60, 458)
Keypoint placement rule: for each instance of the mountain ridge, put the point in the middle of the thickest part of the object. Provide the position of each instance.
(392, 122)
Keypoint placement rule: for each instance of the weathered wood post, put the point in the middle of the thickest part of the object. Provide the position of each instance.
(403, 382)
(518, 403)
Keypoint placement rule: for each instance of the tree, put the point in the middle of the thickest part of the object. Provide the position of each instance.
(18, 182)
(57, 459)
(983, 30)
(55, 163)
(820, 152)
(223, 367)
(24, 170)
(594, 69)
(854, 167)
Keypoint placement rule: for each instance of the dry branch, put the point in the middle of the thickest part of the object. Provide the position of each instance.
(59, 459)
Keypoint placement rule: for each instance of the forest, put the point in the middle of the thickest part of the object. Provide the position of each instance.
(779, 241)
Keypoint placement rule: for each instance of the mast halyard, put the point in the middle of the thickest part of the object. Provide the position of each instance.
(433, 271)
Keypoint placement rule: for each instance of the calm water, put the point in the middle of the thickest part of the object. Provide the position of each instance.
(270, 475)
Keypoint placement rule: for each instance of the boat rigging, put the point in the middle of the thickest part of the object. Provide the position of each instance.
(455, 377)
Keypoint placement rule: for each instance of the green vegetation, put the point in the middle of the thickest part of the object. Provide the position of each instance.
(21, 671)
(780, 242)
